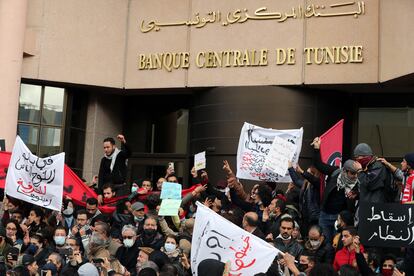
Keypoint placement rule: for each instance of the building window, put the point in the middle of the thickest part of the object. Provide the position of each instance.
(40, 120)
(389, 131)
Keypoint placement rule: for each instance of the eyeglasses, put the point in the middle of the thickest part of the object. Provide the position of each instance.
(128, 237)
(11, 229)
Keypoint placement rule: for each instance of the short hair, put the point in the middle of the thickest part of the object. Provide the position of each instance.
(388, 257)
(106, 186)
(18, 211)
(171, 236)
(81, 212)
(129, 227)
(146, 179)
(265, 194)
(92, 201)
(105, 227)
(61, 227)
(317, 228)
(281, 204)
(352, 230)
(288, 219)
(251, 221)
(59, 258)
(150, 217)
(38, 211)
(110, 140)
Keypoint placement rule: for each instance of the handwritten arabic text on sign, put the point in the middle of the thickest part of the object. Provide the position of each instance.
(280, 153)
(254, 146)
(214, 237)
(386, 224)
(35, 180)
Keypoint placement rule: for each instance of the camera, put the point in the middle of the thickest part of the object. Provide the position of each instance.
(66, 251)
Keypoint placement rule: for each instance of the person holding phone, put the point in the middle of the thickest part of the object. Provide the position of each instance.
(347, 255)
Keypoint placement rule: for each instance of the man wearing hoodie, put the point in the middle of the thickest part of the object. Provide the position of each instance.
(375, 180)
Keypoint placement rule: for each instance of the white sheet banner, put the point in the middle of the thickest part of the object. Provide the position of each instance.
(35, 180)
(254, 147)
(214, 237)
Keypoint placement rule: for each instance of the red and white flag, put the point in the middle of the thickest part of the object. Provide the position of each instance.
(331, 148)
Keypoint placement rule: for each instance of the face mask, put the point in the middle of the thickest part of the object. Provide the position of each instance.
(31, 249)
(302, 267)
(150, 232)
(284, 238)
(314, 243)
(128, 243)
(138, 219)
(59, 240)
(169, 247)
(134, 189)
(387, 271)
(68, 212)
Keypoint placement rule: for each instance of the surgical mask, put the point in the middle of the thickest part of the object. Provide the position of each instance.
(128, 243)
(68, 212)
(302, 267)
(138, 219)
(59, 240)
(134, 189)
(169, 247)
(315, 243)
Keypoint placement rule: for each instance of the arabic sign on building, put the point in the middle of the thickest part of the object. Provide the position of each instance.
(214, 237)
(386, 224)
(35, 180)
(243, 42)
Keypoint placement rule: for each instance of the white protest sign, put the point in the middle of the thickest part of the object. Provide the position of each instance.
(35, 180)
(200, 161)
(254, 146)
(214, 237)
(280, 153)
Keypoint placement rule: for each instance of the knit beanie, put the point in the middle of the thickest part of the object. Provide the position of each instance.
(88, 269)
(363, 149)
(409, 157)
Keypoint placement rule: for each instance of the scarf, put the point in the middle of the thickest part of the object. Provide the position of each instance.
(343, 182)
(112, 157)
(407, 193)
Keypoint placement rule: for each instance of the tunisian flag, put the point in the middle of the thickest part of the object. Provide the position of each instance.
(75, 188)
(331, 148)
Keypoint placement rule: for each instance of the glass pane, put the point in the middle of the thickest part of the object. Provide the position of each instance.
(29, 135)
(378, 128)
(53, 106)
(29, 103)
(49, 141)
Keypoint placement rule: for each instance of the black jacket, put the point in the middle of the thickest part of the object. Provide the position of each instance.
(119, 172)
(376, 183)
(323, 254)
(293, 247)
(128, 256)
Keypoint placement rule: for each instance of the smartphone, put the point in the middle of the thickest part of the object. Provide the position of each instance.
(97, 260)
(14, 253)
(43, 272)
(171, 165)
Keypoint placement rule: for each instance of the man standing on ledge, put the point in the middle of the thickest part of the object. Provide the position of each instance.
(113, 168)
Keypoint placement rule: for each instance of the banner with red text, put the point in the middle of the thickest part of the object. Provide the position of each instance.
(33, 179)
(214, 237)
(331, 148)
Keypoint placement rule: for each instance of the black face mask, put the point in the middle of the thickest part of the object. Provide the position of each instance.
(150, 232)
(302, 267)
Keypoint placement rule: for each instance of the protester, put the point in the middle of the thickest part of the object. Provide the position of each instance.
(313, 229)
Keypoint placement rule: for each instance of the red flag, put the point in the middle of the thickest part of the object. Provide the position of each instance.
(75, 188)
(331, 148)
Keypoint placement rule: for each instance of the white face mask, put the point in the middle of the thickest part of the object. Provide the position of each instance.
(284, 239)
(128, 243)
(169, 247)
(134, 189)
(336, 225)
(315, 243)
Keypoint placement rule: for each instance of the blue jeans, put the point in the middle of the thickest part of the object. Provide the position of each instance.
(327, 223)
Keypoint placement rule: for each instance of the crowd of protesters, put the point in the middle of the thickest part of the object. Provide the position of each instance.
(316, 230)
